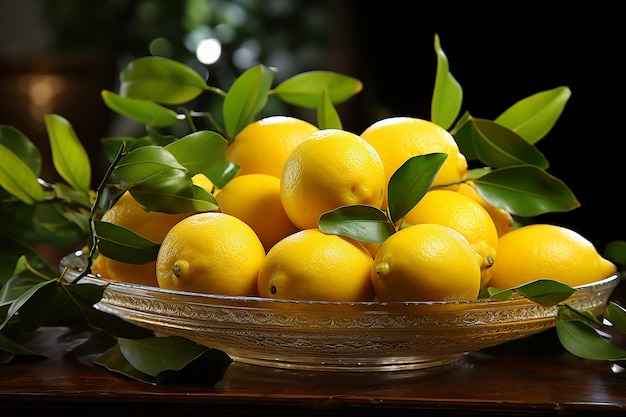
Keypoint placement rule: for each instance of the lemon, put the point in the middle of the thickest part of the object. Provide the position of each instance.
(502, 219)
(312, 265)
(153, 225)
(426, 262)
(547, 251)
(255, 199)
(213, 253)
(396, 139)
(263, 146)
(466, 216)
(332, 168)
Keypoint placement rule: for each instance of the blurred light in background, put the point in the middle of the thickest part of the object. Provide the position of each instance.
(209, 51)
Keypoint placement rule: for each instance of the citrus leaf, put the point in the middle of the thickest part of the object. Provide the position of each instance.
(199, 151)
(327, 116)
(16, 286)
(114, 361)
(583, 341)
(525, 191)
(144, 111)
(616, 314)
(112, 145)
(361, 222)
(38, 295)
(172, 192)
(145, 162)
(306, 89)
(497, 146)
(545, 292)
(12, 252)
(161, 80)
(615, 251)
(124, 245)
(534, 116)
(68, 154)
(21, 146)
(411, 181)
(7, 345)
(163, 361)
(246, 97)
(447, 94)
(17, 178)
(222, 171)
(157, 354)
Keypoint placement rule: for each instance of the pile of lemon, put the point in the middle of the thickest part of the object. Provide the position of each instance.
(265, 241)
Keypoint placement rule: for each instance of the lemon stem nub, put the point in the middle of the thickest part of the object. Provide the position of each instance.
(382, 268)
(180, 268)
(488, 262)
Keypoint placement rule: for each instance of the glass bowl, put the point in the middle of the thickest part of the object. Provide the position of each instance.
(334, 336)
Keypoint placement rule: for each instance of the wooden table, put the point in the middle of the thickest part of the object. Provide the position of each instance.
(532, 376)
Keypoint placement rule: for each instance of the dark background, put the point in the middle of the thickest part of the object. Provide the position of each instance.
(499, 51)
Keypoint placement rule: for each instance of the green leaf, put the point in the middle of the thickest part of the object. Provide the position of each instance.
(115, 362)
(38, 295)
(327, 116)
(123, 244)
(21, 146)
(525, 191)
(306, 89)
(615, 251)
(545, 292)
(221, 172)
(583, 341)
(17, 178)
(199, 151)
(246, 97)
(144, 163)
(208, 366)
(447, 94)
(172, 192)
(10, 346)
(361, 222)
(16, 286)
(411, 181)
(157, 354)
(68, 154)
(533, 117)
(112, 145)
(143, 111)
(497, 146)
(161, 80)
(12, 252)
(616, 314)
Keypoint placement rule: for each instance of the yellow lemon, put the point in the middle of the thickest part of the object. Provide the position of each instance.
(153, 225)
(396, 139)
(463, 214)
(255, 199)
(213, 253)
(263, 146)
(426, 262)
(332, 168)
(312, 265)
(546, 251)
(502, 219)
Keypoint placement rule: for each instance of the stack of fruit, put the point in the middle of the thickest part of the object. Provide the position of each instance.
(266, 239)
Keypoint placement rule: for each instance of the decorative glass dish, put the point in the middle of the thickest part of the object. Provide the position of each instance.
(334, 336)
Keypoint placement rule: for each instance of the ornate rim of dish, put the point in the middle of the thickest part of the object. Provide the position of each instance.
(335, 336)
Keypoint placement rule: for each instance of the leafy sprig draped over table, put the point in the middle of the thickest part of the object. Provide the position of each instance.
(507, 168)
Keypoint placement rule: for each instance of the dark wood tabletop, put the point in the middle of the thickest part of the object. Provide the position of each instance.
(533, 376)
